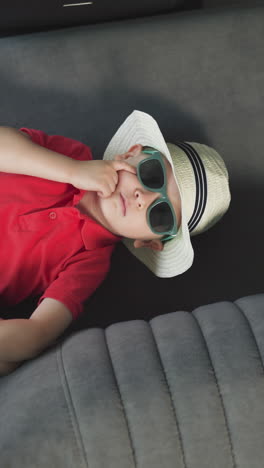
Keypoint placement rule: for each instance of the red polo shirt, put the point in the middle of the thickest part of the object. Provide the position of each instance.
(48, 248)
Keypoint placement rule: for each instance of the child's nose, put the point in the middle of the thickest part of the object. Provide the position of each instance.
(145, 197)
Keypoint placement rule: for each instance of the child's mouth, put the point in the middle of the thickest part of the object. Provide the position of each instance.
(123, 204)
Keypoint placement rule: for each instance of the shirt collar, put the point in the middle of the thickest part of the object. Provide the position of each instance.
(94, 235)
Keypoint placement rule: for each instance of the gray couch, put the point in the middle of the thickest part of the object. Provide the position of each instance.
(165, 388)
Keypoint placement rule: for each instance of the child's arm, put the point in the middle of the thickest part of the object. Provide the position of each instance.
(20, 155)
(22, 339)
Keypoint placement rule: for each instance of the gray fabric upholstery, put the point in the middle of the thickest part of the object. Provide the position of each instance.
(200, 74)
(184, 390)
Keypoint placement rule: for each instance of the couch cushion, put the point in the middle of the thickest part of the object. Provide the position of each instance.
(200, 74)
(185, 390)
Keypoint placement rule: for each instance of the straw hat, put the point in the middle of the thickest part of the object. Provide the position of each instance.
(202, 178)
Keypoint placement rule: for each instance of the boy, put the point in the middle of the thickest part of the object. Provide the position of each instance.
(62, 215)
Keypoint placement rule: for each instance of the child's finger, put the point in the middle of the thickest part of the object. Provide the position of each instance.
(124, 166)
(107, 188)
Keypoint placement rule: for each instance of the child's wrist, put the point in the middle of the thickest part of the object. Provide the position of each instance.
(71, 170)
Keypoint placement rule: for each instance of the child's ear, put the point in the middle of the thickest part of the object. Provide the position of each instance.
(154, 244)
(135, 150)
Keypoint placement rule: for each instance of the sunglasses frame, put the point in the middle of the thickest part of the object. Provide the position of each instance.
(157, 155)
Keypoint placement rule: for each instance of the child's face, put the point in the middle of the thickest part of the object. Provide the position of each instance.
(125, 212)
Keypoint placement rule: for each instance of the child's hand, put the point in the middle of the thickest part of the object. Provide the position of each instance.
(99, 176)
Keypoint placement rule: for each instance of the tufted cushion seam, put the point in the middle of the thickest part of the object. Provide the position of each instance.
(219, 392)
(121, 400)
(79, 447)
(243, 313)
(177, 423)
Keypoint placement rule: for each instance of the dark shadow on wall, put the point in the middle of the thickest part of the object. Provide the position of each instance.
(33, 17)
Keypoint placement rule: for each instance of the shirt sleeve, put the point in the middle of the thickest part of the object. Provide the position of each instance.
(64, 145)
(81, 276)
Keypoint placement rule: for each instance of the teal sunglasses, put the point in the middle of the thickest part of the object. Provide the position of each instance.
(151, 173)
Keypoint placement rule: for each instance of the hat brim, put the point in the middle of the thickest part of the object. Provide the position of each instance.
(177, 254)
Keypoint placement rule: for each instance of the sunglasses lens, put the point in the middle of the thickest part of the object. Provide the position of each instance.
(161, 217)
(151, 174)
